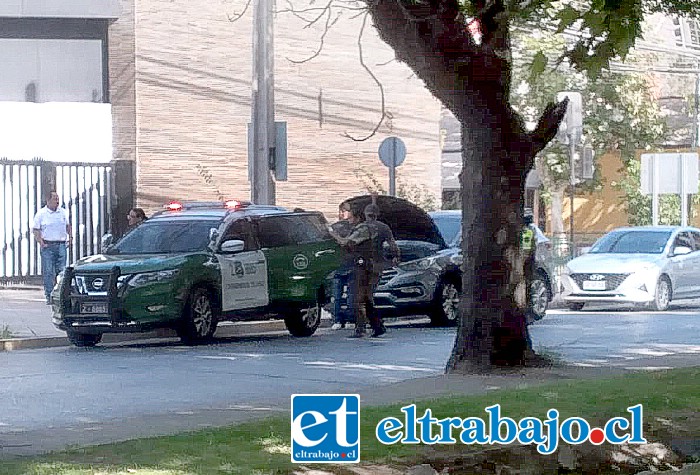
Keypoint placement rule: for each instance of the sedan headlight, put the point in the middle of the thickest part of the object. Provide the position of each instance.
(419, 264)
(139, 280)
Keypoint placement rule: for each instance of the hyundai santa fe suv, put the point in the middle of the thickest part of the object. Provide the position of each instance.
(430, 282)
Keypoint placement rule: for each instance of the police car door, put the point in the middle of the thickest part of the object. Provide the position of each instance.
(243, 273)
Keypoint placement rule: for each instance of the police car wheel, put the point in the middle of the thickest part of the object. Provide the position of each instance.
(199, 321)
(446, 306)
(84, 340)
(303, 321)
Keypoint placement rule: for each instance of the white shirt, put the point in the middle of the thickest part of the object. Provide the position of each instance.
(52, 224)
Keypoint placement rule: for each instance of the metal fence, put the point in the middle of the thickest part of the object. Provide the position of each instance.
(86, 191)
(563, 251)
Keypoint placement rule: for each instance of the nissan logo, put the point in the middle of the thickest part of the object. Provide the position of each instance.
(596, 277)
(98, 283)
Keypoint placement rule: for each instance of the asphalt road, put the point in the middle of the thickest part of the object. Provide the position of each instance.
(54, 397)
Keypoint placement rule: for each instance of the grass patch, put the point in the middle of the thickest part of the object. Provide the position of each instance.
(262, 447)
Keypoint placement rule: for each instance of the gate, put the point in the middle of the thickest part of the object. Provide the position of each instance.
(86, 191)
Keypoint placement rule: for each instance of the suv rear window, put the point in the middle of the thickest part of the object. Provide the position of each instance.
(161, 236)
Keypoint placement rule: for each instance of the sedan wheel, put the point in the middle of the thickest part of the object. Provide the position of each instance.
(446, 310)
(200, 321)
(663, 294)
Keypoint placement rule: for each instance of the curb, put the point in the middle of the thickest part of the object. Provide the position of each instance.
(224, 330)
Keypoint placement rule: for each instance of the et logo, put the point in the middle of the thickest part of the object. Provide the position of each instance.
(325, 428)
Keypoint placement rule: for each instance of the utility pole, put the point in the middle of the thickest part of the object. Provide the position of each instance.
(262, 187)
(696, 141)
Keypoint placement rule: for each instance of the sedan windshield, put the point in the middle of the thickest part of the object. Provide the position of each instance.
(632, 242)
(156, 237)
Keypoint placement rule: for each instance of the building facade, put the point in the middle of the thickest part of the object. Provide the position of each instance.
(180, 80)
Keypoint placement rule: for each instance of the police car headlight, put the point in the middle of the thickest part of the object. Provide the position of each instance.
(139, 280)
(419, 264)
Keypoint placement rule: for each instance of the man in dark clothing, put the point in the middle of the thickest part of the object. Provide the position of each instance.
(366, 246)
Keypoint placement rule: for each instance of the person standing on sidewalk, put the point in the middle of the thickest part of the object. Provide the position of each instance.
(52, 231)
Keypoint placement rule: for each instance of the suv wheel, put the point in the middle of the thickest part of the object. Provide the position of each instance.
(539, 297)
(446, 305)
(576, 306)
(84, 340)
(303, 321)
(199, 320)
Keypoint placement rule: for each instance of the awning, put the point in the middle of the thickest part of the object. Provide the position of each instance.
(106, 9)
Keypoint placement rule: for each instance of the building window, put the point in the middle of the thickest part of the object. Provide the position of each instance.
(53, 60)
(693, 33)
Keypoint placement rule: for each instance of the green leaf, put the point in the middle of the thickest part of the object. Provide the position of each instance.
(539, 63)
(567, 17)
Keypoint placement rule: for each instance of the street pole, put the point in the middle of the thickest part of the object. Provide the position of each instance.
(696, 142)
(262, 189)
(572, 184)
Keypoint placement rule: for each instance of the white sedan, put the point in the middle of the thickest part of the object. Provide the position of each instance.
(647, 265)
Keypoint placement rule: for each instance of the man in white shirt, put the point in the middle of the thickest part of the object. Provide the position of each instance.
(52, 230)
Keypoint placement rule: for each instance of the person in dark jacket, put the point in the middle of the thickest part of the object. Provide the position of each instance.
(365, 244)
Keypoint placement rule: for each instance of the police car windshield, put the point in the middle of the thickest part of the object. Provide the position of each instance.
(161, 236)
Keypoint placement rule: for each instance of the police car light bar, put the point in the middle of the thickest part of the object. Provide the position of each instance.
(230, 204)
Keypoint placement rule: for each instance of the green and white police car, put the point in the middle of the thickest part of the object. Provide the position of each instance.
(195, 264)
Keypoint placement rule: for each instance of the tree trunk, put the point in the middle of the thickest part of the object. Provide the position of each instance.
(556, 211)
(492, 327)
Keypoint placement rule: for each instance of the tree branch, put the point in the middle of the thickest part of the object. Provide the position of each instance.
(327, 28)
(376, 80)
(235, 16)
(548, 125)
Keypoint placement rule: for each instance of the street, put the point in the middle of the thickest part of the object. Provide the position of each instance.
(54, 397)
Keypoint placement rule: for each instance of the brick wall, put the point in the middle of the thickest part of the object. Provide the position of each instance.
(192, 93)
(121, 82)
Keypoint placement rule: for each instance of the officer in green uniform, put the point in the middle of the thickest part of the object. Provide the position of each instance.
(527, 244)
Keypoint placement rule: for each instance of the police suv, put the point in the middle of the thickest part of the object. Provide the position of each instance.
(195, 264)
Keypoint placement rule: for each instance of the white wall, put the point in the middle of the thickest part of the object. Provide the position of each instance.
(56, 131)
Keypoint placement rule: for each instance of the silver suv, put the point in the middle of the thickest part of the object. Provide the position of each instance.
(431, 284)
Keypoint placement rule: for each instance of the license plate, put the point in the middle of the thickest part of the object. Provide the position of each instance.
(93, 308)
(593, 285)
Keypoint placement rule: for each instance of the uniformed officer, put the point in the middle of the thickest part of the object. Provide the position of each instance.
(527, 244)
(365, 243)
